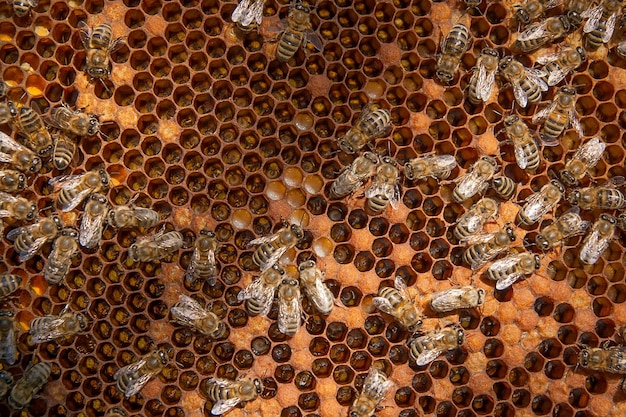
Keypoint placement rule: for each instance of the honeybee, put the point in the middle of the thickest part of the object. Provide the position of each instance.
(483, 79)
(9, 283)
(8, 344)
(154, 248)
(353, 176)
(598, 239)
(58, 264)
(396, 302)
(605, 359)
(475, 180)
(532, 9)
(426, 348)
(557, 65)
(587, 156)
(260, 293)
(603, 197)
(527, 83)
(298, 32)
(115, 412)
(29, 239)
(289, 307)
(484, 248)
(457, 298)
(558, 116)
(475, 218)
(202, 264)
(452, 49)
(436, 166)
(621, 49)
(372, 124)
(568, 225)
(505, 187)
(75, 188)
(600, 23)
(524, 145)
(312, 280)
(22, 8)
(66, 324)
(507, 271)
(12, 181)
(64, 150)
(4, 89)
(574, 10)
(248, 14)
(226, 394)
(621, 223)
(8, 112)
(132, 216)
(16, 208)
(375, 388)
(30, 124)
(33, 380)
(272, 248)
(75, 122)
(190, 313)
(132, 378)
(93, 220)
(541, 202)
(17, 155)
(384, 189)
(6, 381)
(99, 44)
(540, 33)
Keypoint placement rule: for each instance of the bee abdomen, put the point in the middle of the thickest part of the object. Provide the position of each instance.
(63, 154)
(378, 203)
(288, 44)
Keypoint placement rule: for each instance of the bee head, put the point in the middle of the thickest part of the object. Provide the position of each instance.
(415, 327)
(581, 52)
(608, 218)
(297, 230)
(574, 197)
(504, 62)
(537, 262)
(258, 385)
(444, 77)
(82, 321)
(207, 233)
(460, 335)
(542, 242)
(306, 265)
(583, 357)
(558, 185)
(94, 125)
(510, 233)
(510, 120)
(95, 72)
(344, 145)
(522, 16)
(568, 178)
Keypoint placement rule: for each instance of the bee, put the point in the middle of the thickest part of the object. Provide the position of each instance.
(558, 116)
(99, 44)
(457, 298)
(248, 14)
(16, 208)
(202, 263)
(66, 324)
(574, 10)
(541, 202)
(452, 49)
(22, 8)
(12, 181)
(132, 378)
(598, 239)
(375, 388)
(8, 344)
(63, 250)
(17, 155)
(384, 189)
(426, 348)
(8, 112)
(504, 186)
(289, 307)
(372, 124)
(6, 381)
(189, 312)
(312, 280)
(602, 197)
(74, 122)
(33, 380)
(532, 9)
(298, 32)
(154, 248)
(609, 359)
(115, 412)
(272, 248)
(75, 188)
(557, 65)
(508, 270)
(226, 394)
(4, 89)
(93, 220)
(587, 156)
(435, 166)
(600, 24)
(396, 302)
(484, 248)
(524, 145)
(527, 83)
(568, 225)
(475, 218)
(30, 124)
(132, 216)
(260, 293)
(475, 180)
(353, 176)
(483, 79)
(9, 283)
(64, 150)
(541, 33)
(29, 239)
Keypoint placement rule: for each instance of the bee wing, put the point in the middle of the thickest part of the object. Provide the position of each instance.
(506, 282)
(8, 346)
(535, 31)
(91, 229)
(447, 300)
(549, 4)
(390, 191)
(543, 113)
(315, 40)
(383, 305)
(485, 83)
(593, 15)
(557, 76)
(520, 156)
(591, 152)
(573, 120)
(263, 293)
(474, 239)
(277, 26)
(427, 356)
(8, 142)
(444, 162)
(289, 312)
(594, 245)
(188, 307)
(621, 48)
(535, 206)
(65, 181)
(321, 296)
(7, 198)
(220, 382)
(115, 45)
(610, 28)
(222, 406)
(549, 57)
(55, 121)
(520, 95)
(537, 76)
(32, 250)
(13, 234)
(52, 328)
(262, 240)
(376, 384)
(278, 253)
(136, 384)
(472, 183)
(85, 33)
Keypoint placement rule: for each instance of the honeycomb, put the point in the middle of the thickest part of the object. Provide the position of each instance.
(203, 125)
